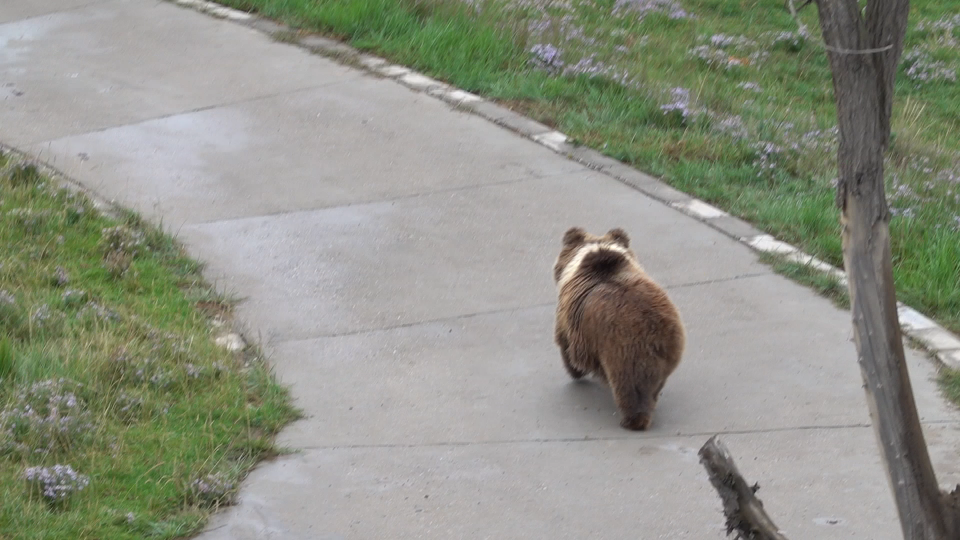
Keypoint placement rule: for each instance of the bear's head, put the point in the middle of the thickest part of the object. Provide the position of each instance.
(576, 239)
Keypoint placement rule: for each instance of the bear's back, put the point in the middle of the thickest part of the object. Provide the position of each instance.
(633, 311)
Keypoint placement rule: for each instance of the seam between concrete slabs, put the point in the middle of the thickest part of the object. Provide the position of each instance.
(411, 196)
(204, 108)
(58, 11)
(413, 324)
(940, 343)
(641, 437)
(737, 277)
(452, 318)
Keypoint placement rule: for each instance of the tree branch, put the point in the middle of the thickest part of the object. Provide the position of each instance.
(802, 30)
(743, 510)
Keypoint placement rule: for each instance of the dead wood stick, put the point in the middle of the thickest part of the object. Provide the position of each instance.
(743, 510)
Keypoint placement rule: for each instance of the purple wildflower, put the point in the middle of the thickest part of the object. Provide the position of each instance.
(28, 218)
(211, 489)
(949, 175)
(732, 126)
(671, 8)
(586, 66)
(56, 483)
(723, 41)
(680, 106)
(121, 239)
(718, 57)
(922, 68)
(41, 315)
(539, 26)
(547, 56)
(767, 157)
(945, 28)
(99, 312)
(7, 299)
(790, 40)
(60, 277)
(906, 213)
(73, 297)
(45, 417)
(127, 407)
(565, 29)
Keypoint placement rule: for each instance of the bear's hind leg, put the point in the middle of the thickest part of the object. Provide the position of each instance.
(575, 373)
(636, 405)
(565, 352)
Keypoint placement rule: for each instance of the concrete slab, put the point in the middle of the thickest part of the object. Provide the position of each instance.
(623, 489)
(369, 141)
(498, 377)
(12, 10)
(102, 65)
(441, 255)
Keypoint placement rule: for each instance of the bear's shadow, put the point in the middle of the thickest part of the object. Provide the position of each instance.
(593, 402)
(588, 395)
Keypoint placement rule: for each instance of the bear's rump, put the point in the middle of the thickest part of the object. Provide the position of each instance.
(632, 332)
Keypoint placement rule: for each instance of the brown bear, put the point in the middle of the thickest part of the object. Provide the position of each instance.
(615, 322)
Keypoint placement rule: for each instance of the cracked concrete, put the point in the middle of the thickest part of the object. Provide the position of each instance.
(395, 256)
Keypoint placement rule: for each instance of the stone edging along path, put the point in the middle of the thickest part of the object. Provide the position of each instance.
(936, 340)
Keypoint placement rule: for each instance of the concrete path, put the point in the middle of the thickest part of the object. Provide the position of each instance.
(396, 256)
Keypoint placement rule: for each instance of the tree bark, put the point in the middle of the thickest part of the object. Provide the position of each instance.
(743, 510)
(864, 86)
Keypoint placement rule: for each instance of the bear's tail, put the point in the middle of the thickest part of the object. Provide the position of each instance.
(603, 262)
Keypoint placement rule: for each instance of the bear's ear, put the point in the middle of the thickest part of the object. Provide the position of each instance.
(619, 236)
(574, 235)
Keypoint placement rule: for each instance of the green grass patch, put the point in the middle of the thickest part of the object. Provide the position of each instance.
(724, 100)
(950, 383)
(119, 416)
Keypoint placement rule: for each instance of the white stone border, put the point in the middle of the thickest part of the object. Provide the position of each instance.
(942, 344)
(216, 9)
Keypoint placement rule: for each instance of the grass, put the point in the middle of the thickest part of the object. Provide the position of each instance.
(950, 383)
(723, 99)
(108, 366)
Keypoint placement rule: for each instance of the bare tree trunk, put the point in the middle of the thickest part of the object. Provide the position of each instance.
(864, 86)
(864, 48)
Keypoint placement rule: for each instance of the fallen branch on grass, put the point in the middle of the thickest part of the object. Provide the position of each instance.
(743, 510)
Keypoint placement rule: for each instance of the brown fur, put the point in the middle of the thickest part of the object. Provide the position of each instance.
(615, 322)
